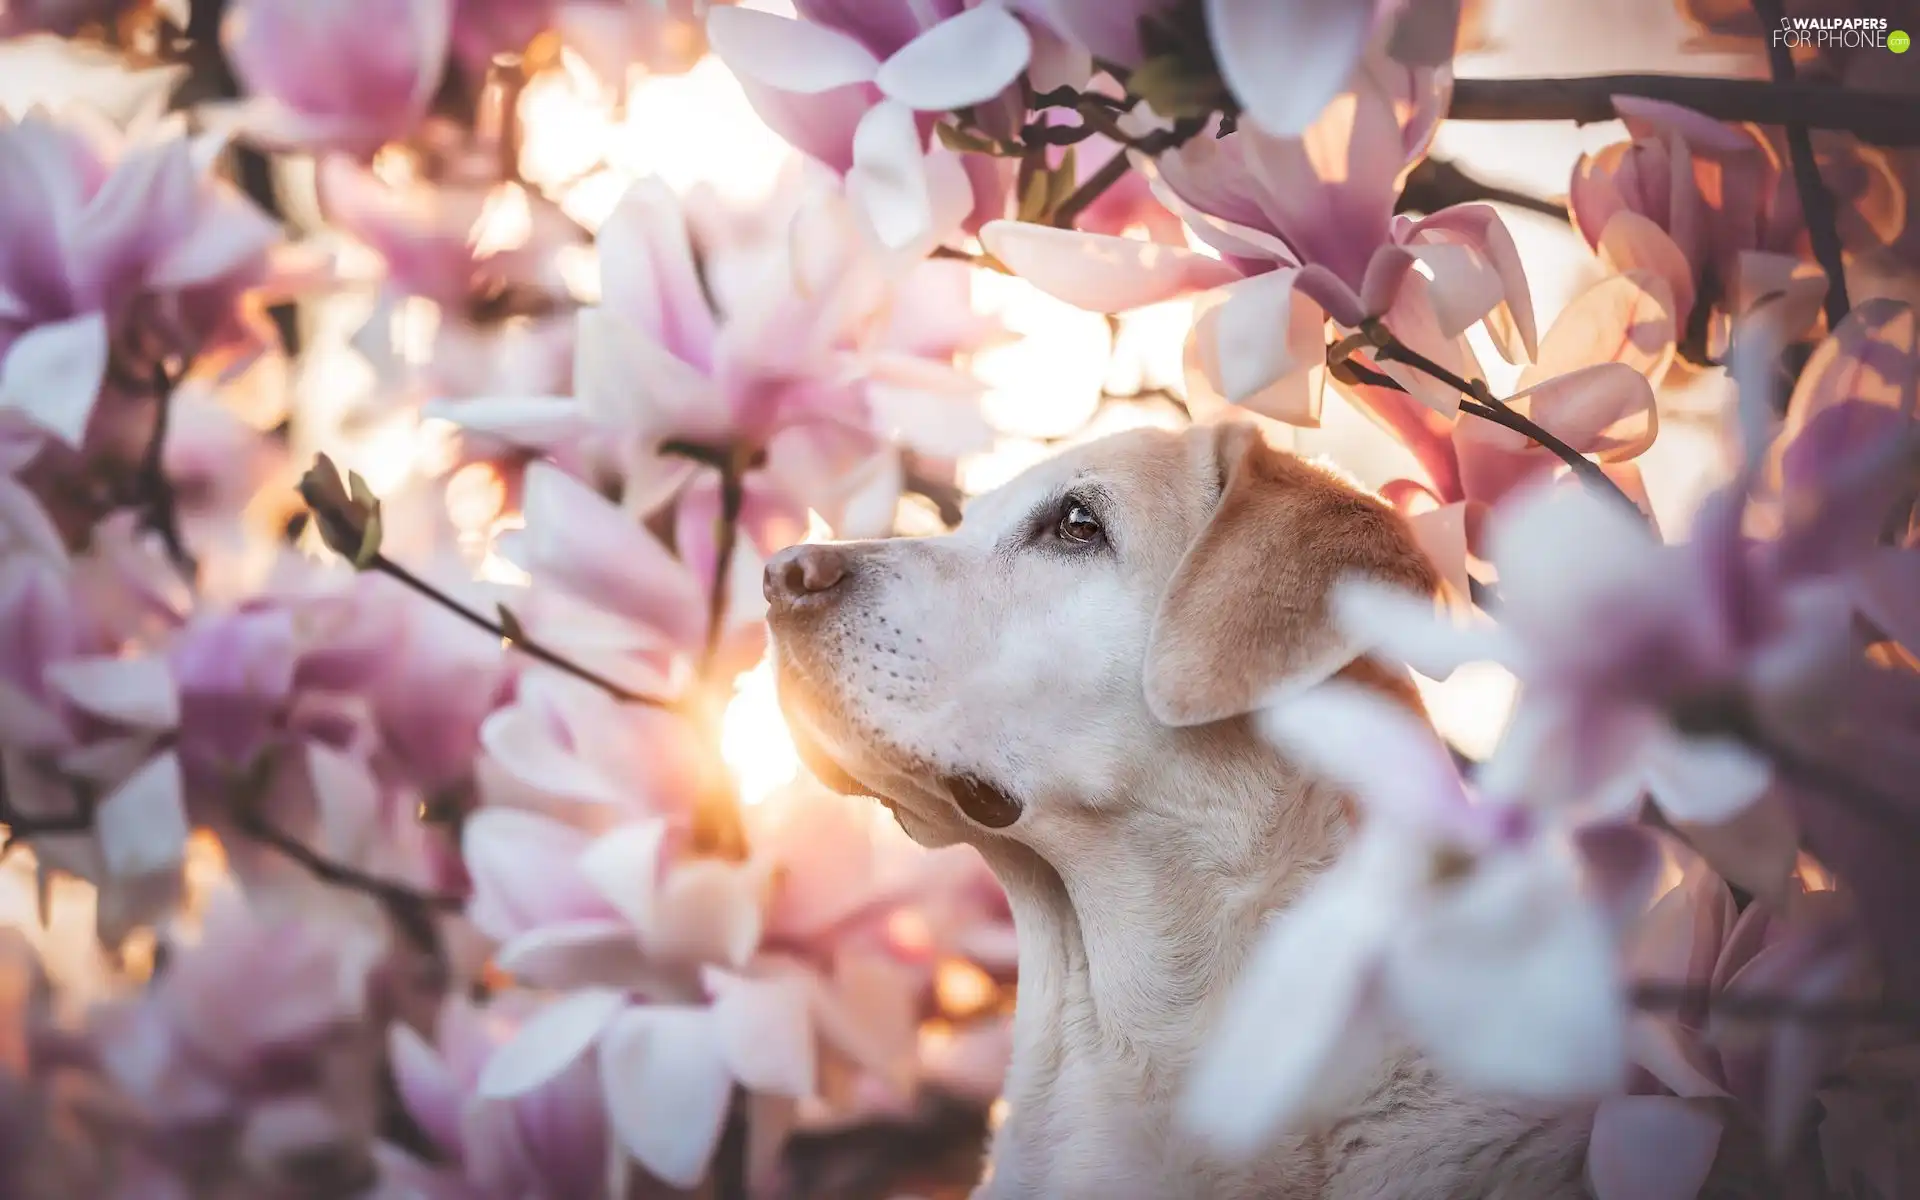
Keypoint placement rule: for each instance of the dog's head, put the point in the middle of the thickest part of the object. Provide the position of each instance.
(1052, 658)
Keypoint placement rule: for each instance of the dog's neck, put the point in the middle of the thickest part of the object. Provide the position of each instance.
(1130, 943)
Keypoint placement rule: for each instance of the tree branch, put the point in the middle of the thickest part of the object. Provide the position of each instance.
(1435, 183)
(159, 502)
(508, 630)
(1668, 997)
(1882, 119)
(1816, 203)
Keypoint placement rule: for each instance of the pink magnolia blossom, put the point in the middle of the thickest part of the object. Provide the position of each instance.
(854, 86)
(115, 250)
(484, 28)
(62, 17)
(1321, 42)
(1306, 231)
(1702, 1081)
(249, 1059)
(1501, 970)
(1712, 209)
(317, 78)
(1591, 385)
(614, 35)
(549, 1142)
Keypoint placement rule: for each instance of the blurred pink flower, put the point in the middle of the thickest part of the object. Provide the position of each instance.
(1461, 927)
(1709, 208)
(1306, 230)
(548, 1142)
(60, 17)
(484, 28)
(1323, 41)
(1700, 1080)
(664, 36)
(249, 1056)
(853, 86)
(319, 78)
(115, 251)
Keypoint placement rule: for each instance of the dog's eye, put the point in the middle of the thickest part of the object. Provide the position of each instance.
(1077, 524)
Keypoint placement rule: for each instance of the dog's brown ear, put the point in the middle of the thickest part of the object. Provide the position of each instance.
(1247, 609)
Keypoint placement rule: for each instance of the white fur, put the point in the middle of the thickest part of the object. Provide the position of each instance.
(1146, 859)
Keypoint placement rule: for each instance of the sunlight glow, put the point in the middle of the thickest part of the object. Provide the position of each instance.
(754, 740)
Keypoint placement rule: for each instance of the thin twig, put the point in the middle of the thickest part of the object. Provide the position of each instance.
(1486, 407)
(410, 908)
(1879, 118)
(20, 826)
(1760, 1006)
(158, 498)
(1816, 202)
(1083, 197)
(733, 497)
(987, 261)
(1435, 183)
(509, 632)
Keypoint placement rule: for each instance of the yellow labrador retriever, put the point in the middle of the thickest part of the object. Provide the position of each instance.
(1063, 682)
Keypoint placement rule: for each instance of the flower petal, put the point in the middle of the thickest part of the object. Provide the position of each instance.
(128, 691)
(966, 59)
(1265, 331)
(1319, 40)
(888, 179)
(597, 952)
(1290, 1023)
(1099, 272)
(1651, 1148)
(550, 1041)
(667, 1088)
(1391, 760)
(52, 375)
(1632, 242)
(624, 866)
(1410, 629)
(766, 1030)
(780, 52)
(142, 825)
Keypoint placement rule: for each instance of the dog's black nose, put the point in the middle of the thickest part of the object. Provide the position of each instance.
(800, 573)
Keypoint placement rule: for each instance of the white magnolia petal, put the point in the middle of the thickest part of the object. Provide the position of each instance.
(888, 179)
(1391, 759)
(523, 743)
(536, 422)
(1464, 286)
(142, 825)
(1266, 331)
(791, 55)
(1707, 780)
(1509, 980)
(595, 952)
(1100, 272)
(1651, 1148)
(1442, 534)
(624, 866)
(666, 1087)
(766, 1030)
(1411, 629)
(1319, 41)
(966, 59)
(1289, 1018)
(549, 1042)
(129, 691)
(52, 375)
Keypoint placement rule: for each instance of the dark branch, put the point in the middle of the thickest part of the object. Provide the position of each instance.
(159, 501)
(1882, 119)
(733, 496)
(508, 631)
(1435, 183)
(1669, 997)
(1816, 203)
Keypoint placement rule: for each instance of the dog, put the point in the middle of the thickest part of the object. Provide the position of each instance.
(1065, 682)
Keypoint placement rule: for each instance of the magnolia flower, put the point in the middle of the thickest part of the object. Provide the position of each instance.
(1694, 1074)
(249, 1057)
(62, 17)
(848, 84)
(485, 28)
(1708, 207)
(1461, 928)
(1321, 42)
(114, 250)
(550, 1141)
(1591, 386)
(612, 35)
(315, 78)
(818, 355)
(1306, 231)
